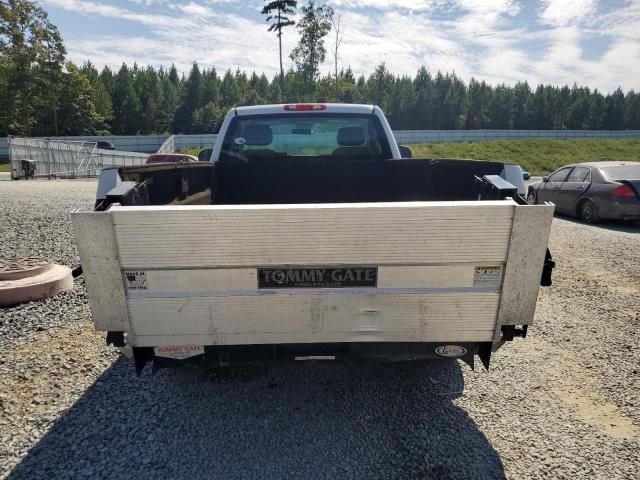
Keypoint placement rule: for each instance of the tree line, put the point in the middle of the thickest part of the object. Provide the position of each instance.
(43, 94)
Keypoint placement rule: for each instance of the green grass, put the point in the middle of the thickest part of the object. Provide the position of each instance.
(5, 167)
(192, 151)
(538, 157)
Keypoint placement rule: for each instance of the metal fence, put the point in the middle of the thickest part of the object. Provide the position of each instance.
(127, 143)
(168, 146)
(66, 159)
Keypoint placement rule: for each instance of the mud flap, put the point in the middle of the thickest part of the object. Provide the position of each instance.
(549, 265)
(142, 355)
(469, 358)
(484, 352)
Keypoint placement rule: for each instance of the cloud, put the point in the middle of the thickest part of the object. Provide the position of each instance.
(385, 4)
(622, 23)
(97, 8)
(197, 9)
(566, 12)
(494, 40)
(491, 7)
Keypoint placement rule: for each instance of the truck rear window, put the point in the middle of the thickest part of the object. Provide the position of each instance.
(299, 135)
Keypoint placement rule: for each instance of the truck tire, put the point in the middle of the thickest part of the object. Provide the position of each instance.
(588, 212)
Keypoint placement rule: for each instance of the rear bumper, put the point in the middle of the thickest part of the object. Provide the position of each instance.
(623, 209)
(223, 355)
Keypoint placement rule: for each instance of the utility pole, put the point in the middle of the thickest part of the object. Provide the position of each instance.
(336, 27)
(52, 85)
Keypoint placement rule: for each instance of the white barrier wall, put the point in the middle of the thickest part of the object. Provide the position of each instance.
(152, 143)
(446, 136)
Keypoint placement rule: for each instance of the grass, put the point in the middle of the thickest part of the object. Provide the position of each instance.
(192, 151)
(5, 167)
(538, 157)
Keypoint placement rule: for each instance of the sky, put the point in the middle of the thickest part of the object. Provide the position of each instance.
(590, 42)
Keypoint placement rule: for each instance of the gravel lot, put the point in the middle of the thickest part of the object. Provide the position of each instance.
(564, 403)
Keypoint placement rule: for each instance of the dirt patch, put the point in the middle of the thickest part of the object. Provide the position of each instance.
(596, 411)
(567, 379)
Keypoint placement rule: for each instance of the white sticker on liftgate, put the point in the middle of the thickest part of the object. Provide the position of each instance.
(136, 280)
(487, 276)
(451, 351)
(179, 352)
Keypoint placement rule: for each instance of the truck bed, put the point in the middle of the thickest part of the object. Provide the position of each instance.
(297, 181)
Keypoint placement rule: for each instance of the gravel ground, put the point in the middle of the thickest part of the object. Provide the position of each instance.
(564, 403)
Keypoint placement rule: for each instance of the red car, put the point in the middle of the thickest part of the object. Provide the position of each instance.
(170, 158)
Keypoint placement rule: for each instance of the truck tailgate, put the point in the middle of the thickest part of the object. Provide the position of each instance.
(320, 273)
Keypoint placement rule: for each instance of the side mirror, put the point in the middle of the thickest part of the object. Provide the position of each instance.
(205, 155)
(545, 179)
(405, 152)
(526, 175)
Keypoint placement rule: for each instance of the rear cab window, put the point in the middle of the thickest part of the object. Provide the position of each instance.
(621, 172)
(305, 135)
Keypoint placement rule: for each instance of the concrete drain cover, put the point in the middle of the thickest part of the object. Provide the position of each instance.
(27, 279)
(15, 268)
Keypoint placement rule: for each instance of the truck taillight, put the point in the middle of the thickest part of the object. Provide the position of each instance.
(304, 107)
(623, 191)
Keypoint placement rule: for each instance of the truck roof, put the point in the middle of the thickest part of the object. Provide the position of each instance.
(280, 108)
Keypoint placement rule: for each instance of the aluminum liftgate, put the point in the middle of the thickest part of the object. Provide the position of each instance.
(238, 275)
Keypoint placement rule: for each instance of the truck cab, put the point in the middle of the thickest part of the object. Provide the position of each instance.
(305, 130)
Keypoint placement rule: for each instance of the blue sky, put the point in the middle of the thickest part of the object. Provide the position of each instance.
(591, 42)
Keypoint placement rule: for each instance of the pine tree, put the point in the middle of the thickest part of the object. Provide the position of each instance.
(126, 105)
(278, 12)
(614, 111)
(191, 101)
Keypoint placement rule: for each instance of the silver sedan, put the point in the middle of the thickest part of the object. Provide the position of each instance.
(592, 191)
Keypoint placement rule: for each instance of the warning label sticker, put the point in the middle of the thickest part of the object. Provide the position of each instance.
(487, 276)
(136, 280)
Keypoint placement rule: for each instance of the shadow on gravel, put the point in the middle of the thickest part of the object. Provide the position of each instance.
(286, 421)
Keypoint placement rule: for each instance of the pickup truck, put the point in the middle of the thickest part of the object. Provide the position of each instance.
(308, 236)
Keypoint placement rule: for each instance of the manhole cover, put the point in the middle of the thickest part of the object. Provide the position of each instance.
(27, 279)
(16, 268)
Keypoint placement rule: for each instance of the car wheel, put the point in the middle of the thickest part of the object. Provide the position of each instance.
(531, 198)
(588, 212)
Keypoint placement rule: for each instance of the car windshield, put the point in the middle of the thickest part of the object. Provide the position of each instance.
(622, 172)
(305, 135)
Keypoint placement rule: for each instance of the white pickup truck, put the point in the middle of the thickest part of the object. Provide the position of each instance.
(307, 236)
